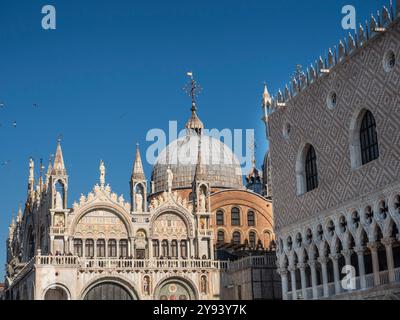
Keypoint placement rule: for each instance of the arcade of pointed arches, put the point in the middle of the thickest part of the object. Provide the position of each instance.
(367, 239)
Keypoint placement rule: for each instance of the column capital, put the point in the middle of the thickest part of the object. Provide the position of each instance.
(373, 246)
(301, 266)
(335, 256)
(292, 268)
(388, 242)
(312, 263)
(347, 252)
(359, 250)
(323, 260)
(283, 271)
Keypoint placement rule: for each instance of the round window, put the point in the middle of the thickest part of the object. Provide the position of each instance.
(286, 130)
(332, 100)
(389, 61)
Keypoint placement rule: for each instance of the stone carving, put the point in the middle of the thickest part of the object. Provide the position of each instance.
(102, 173)
(203, 284)
(146, 285)
(139, 202)
(202, 201)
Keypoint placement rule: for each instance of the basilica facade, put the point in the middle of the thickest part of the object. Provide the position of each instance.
(159, 244)
(334, 157)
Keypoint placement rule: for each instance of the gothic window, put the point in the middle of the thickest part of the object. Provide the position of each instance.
(236, 237)
(184, 249)
(174, 248)
(31, 244)
(235, 217)
(220, 218)
(252, 239)
(112, 248)
(164, 248)
(156, 248)
(221, 237)
(368, 139)
(78, 247)
(251, 221)
(101, 248)
(311, 170)
(89, 248)
(123, 248)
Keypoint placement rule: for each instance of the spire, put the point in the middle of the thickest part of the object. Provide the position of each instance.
(31, 179)
(137, 171)
(49, 170)
(193, 89)
(199, 172)
(266, 100)
(266, 105)
(19, 215)
(59, 167)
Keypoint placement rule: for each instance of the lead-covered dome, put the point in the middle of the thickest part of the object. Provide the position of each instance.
(220, 167)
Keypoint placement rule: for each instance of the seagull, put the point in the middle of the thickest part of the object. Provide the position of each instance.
(1, 104)
(15, 124)
(4, 163)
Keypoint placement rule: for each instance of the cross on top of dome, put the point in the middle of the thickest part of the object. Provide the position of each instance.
(193, 90)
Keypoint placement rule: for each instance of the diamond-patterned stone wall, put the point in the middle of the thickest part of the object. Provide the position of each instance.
(360, 82)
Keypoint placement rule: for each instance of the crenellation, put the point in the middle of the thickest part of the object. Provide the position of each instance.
(356, 41)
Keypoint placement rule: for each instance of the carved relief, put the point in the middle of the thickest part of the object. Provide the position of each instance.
(170, 225)
(101, 223)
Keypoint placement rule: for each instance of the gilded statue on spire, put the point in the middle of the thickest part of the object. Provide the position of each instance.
(102, 173)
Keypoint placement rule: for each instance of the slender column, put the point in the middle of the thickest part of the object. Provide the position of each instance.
(118, 249)
(95, 248)
(361, 266)
(388, 243)
(52, 245)
(106, 248)
(292, 270)
(284, 276)
(84, 248)
(302, 267)
(347, 256)
(336, 274)
(323, 261)
(312, 264)
(373, 246)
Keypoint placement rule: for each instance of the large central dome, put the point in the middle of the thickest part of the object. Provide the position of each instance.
(220, 166)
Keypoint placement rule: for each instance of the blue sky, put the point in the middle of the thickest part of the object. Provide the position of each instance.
(115, 69)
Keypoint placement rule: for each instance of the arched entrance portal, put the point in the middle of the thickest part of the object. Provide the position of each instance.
(109, 291)
(56, 293)
(175, 289)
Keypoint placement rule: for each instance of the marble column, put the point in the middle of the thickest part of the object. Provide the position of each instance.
(284, 277)
(361, 266)
(388, 243)
(373, 247)
(292, 270)
(323, 261)
(347, 256)
(312, 264)
(336, 272)
(302, 267)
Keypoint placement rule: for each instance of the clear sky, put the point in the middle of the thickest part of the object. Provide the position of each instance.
(112, 70)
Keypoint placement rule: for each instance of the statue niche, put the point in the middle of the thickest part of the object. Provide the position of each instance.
(139, 199)
(59, 201)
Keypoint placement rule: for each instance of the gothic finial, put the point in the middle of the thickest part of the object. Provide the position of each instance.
(138, 172)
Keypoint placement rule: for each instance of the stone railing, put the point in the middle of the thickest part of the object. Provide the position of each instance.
(253, 261)
(57, 230)
(369, 283)
(110, 263)
(206, 232)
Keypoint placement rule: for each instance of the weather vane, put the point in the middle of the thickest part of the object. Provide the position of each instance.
(192, 89)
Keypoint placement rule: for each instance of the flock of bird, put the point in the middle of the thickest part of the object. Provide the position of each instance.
(14, 125)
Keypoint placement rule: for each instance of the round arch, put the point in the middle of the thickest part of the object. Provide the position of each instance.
(56, 291)
(174, 288)
(106, 207)
(109, 288)
(173, 210)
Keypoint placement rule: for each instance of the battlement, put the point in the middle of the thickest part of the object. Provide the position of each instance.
(346, 47)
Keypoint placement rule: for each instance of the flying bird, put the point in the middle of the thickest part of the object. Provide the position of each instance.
(15, 124)
(4, 163)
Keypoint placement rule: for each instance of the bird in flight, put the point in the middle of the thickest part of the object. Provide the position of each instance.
(15, 124)
(4, 163)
